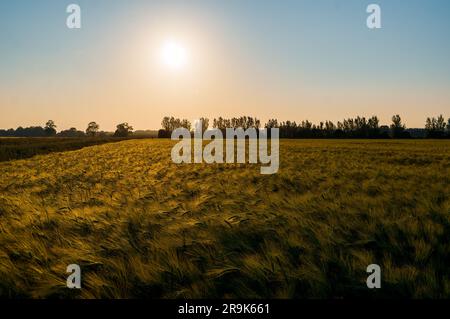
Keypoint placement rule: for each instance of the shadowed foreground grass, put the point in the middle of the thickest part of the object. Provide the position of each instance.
(141, 226)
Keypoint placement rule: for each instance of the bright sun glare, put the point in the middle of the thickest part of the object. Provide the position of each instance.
(174, 55)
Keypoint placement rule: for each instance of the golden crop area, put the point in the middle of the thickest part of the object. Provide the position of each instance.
(142, 226)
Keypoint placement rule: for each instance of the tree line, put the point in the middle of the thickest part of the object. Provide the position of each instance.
(49, 130)
(359, 127)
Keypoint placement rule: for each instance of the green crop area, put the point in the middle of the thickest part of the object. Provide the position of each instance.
(13, 148)
(141, 226)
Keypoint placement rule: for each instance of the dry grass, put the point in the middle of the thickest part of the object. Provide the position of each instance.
(141, 226)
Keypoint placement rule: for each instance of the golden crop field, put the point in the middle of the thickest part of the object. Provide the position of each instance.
(142, 226)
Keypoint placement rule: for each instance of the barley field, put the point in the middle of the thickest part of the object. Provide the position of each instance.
(14, 148)
(141, 226)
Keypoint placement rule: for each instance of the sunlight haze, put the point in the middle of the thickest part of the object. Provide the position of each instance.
(138, 61)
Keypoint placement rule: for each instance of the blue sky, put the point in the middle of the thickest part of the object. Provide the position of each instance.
(288, 59)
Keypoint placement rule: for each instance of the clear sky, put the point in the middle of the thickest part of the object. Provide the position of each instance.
(289, 59)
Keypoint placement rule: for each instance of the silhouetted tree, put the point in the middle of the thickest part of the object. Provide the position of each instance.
(72, 132)
(435, 127)
(244, 122)
(272, 123)
(166, 123)
(205, 123)
(34, 131)
(374, 127)
(123, 130)
(92, 129)
(448, 127)
(50, 128)
(186, 124)
(398, 128)
(170, 124)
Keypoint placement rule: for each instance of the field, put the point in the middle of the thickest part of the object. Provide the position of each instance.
(141, 226)
(12, 148)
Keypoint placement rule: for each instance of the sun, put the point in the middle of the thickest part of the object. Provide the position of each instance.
(174, 55)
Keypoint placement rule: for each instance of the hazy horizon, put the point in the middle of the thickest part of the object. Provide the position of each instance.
(290, 60)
